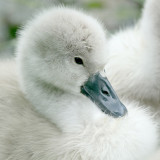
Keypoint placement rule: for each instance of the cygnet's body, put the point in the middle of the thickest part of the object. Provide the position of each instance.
(133, 65)
(47, 117)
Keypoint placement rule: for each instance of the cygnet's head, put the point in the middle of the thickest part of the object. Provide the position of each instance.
(66, 49)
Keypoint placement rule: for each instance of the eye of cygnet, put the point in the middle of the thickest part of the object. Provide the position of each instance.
(78, 60)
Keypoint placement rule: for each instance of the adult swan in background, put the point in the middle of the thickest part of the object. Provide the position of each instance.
(64, 108)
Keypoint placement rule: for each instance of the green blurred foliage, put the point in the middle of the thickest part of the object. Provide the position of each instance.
(94, 4)
(13, 31)
(139, 3)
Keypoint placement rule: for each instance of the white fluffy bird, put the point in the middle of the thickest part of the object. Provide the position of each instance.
(64, 109)
(133, 65)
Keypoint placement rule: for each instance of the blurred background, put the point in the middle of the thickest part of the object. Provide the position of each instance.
(114, 14)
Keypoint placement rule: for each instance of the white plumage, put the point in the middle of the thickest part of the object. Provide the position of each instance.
(133, 65)
(46, 117)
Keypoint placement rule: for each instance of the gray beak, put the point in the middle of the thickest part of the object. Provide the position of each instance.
(100, 91)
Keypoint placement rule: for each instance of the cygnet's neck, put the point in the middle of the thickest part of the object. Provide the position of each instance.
(70, 112)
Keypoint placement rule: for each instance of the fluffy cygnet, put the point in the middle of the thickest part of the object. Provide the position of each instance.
(133, 65)
(64, 117)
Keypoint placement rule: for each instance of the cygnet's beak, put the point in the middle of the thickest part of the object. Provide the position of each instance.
(100, 91)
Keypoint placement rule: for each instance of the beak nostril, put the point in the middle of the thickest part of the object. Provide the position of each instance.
(105, 93)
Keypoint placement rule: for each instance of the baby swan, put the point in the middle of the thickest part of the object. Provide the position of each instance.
(70, 111)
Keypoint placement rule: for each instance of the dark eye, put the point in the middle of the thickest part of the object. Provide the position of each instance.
(78, 60)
